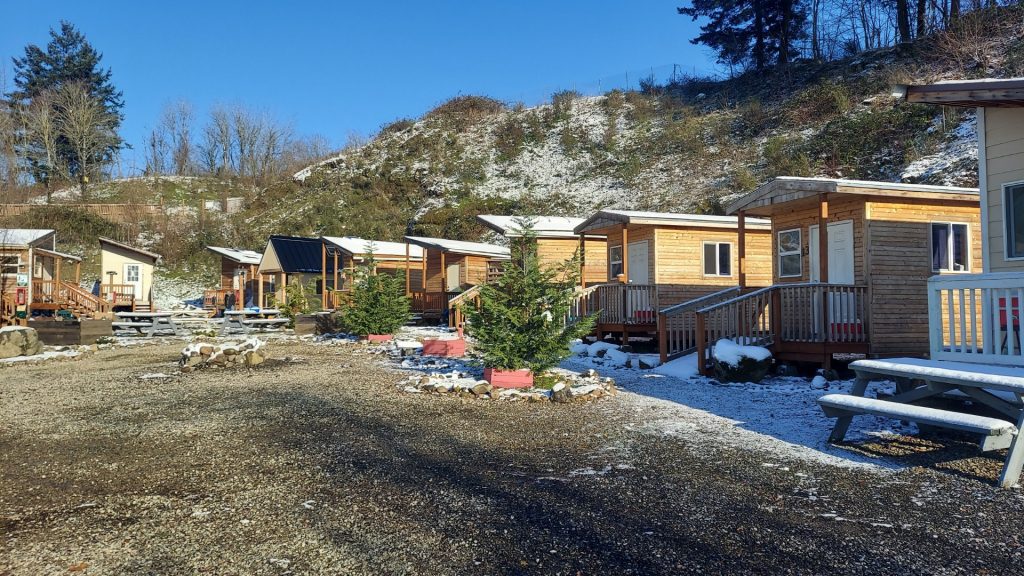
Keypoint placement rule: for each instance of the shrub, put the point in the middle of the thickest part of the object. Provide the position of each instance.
(521, 319)
(377, 303)
(397, 126)
(820, 102)
(784, 157)
(859, 146)
(510, 137)
(561, 104)
(743, 180)
(463, 112)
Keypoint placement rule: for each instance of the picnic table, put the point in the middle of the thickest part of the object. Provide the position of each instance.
(245, 321)
(145, 323)
(1000, 388)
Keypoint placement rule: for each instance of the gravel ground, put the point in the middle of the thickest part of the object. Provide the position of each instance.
(320, 466)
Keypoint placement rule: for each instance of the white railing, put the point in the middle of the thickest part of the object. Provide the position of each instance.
(976, 317)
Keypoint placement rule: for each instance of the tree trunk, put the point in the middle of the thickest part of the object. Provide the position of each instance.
(954, 10)
(759, 32)
(922, 23)
(786, 7)
(903, 20)
(815, 38)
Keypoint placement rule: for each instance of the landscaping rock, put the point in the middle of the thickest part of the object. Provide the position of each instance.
(561, 394)
(19, 341)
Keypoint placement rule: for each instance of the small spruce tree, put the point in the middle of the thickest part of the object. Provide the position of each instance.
(377, 303)
(522, 318)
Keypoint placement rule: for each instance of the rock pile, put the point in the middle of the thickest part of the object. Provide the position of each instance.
(570, 387)
(230, 354)
(19, 341)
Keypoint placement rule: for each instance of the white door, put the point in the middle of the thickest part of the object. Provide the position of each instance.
(638, 263)
(840, 253)
(133, 276)
(452, 280)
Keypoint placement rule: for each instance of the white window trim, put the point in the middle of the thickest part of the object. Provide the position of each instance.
(799, 252)
(970, 249)
(1006, 225)
(17, 257)
(703, 268)
(611, 261)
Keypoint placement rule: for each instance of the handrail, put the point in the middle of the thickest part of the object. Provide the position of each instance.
(683, 306)
(456, 317)
(84, 298)
(678, 324)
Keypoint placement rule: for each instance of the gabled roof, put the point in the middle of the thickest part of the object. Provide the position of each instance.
(381, 250)
(145, 254)
(605, 218)
(543, 226)
(460, 247)
(293, 254)
(791, 188)
(25, 237)
(241, 256)
(985, 92)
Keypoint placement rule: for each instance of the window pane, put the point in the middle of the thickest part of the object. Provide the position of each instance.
(960, 248)
(724, 260)
(1015, 221)
(940, 247)
(789, 241)
(789, 265)
(710, 259)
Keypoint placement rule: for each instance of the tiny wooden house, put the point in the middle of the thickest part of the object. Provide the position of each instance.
(865, 291)
(240, 280)
(126, 274)
(290, 260)
(557, 242)
(31, 266)
(344, 254)
(450, 267)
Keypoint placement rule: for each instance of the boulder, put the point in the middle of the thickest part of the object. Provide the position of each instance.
(561, 393)
(254, 358)
(746, 370)
(481, 389)
(19, 341)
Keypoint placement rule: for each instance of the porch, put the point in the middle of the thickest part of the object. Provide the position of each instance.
(976, 318)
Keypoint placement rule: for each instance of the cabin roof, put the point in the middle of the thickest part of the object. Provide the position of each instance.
(241, 256)
(23, 237)
(543, 226)
(460, 247)
(361, 246)
(785, 189)
(984, 92)
(146, 254)
(605, 218)
(292, 254)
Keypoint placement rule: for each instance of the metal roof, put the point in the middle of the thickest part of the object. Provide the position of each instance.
(460, 247)
(985, 92)
(542, 226)
(241, 256)
(361, 246)
(298, 254)
(152, 255)
(23, 236)
(604, 218)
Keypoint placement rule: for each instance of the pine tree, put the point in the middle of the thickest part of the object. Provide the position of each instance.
(754, 32)
(377, 303)
(69, 59)
(521, 320)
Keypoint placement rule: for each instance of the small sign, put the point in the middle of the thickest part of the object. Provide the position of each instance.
(22, 279)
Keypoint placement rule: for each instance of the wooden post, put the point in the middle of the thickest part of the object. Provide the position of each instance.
(57, 261)
(741, 246)
(78, 272)
(323, 274)
(583, 260)
(662, 338)
(775, 320)
(701, 333)
(823, 239)
(423, 271)
(444, 276)
(259, 290)
(240, 304)
(408, 281)
(335, 285)
(625, 253)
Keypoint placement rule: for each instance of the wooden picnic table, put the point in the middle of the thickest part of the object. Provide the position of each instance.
(245, 321)
(145, 323)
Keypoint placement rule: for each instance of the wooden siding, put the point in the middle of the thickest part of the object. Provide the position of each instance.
(803, 215)
(555, 251)
(1004, 163)
(641, 233)
(899, 265)
(472, 269)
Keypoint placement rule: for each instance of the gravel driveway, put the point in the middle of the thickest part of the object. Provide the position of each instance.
(320, 466)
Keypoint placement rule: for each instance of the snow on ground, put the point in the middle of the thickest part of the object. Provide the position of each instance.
(41, 357)
(729, 352)
(171, 293)
(955, 162)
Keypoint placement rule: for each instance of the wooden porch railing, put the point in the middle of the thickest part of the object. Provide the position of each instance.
(794, 313)
(45, 291)
(456, 303)
(428, 301)
(585, 302)
(215, 299)
(677, 325)
(976, 318)
(118, 294)
(7, 310)
(627, 303)
(83, 299)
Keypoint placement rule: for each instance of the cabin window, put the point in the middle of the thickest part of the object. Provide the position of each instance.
(1013, 201)
(790, 261)
(9, 264)
(717, 259)
(614, 262)
(950, 248)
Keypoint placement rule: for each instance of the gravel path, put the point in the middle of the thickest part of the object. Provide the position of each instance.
(320, 466)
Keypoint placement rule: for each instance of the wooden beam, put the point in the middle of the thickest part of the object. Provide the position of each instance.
(240, 304)
(323, 274)
(625, 254)
(823, 239)
(259, 290)
(335, 272)
(583, 260)
(408, 281)
(444, 275)
(741, 246)
(423, 270)
(78, 273)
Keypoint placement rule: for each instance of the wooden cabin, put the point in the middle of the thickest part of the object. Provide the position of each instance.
(975, 317)
(240, 280)
(345, 253)
(37, 279)
(451, 268)
(126, 275)
(288, 260)
(864, 293)
(557, 242)
(657, 261)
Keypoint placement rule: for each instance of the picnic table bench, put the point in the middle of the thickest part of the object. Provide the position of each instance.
(145, 323)
(245, 321)
(998, 387)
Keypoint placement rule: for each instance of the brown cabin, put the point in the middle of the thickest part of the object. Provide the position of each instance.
(240, 280)
(291, 261)
(37, 279)
(865, 293)
(658, 261)
(451, 268)
(557, 242)
(344, 254)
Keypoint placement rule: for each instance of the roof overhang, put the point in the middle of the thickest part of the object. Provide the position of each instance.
(787, 189)
(385, 251)
(459, 247)
(129, 248)
(508, 227)
(985, 92)
(248, 257)
(606, 218)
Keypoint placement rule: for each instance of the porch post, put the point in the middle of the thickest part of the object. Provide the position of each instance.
(78, 272)
(741, 246)
(823, 238)
(583, 260)
(336, 271)
(259, 290)
(423, 270)
(240, 304)
(57, 261)
(408, 281)
(323, 274)
(444, 276)
(625, 253)
(31, 280)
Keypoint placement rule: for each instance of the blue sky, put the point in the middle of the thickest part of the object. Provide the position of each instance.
(336, 68)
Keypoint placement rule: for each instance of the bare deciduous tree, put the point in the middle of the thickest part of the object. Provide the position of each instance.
(89, 128)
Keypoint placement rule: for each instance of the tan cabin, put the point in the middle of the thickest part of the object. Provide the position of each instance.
(451, 268)
(36, 279)
(126, 275)
(240, 280)
(864, 293)
(344, 254)
(660, 261)
(292, 260)
(557, 242)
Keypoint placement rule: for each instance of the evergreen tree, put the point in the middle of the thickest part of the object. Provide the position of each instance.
(755, 32)
(521, 321)
(69, 59)
(377, 303)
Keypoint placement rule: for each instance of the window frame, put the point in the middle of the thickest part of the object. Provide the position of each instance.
(612, 262)
(799, 252)
(16, 265)
(718, 258)
(949, 247)
(1007, 238)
